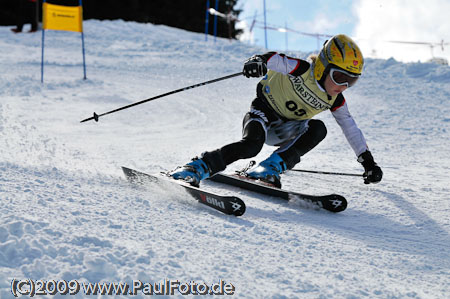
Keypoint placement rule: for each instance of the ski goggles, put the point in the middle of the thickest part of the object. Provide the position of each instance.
(341, 77)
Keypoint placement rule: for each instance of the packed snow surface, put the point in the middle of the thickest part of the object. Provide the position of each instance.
(68, 213)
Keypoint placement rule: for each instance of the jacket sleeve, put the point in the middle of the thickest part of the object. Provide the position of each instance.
(281, 63)
(351, 131)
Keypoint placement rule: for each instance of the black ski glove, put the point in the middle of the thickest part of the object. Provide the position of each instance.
(255, 66)
(372, 172)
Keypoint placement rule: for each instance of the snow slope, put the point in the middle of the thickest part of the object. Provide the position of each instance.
(68, 213)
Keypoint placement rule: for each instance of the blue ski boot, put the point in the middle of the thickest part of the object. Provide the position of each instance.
(192, 172)
(269, 170)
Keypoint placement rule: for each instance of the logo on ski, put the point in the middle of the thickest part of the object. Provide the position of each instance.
(213, 201)
(336, 203)
(235, 206)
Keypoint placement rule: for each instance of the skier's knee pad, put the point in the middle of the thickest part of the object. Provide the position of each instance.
(251, 148)
(311, 138)
(253, 139)
(318, 129)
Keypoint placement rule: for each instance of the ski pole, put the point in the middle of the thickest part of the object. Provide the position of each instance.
(97, 116)
(326, 172)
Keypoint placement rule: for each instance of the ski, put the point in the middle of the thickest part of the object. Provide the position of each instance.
(229, 205)
(332, 202)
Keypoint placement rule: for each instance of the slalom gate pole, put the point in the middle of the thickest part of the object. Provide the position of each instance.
(327, 172)
(97, 116)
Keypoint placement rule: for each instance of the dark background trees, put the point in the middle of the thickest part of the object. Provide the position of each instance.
(185, 14)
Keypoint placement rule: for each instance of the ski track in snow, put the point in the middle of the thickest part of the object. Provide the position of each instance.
(68, 213)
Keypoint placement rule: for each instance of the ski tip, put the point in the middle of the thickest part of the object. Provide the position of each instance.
(335, 203)
(239, 207)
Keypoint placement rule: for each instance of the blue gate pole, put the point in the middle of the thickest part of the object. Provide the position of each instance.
(84, 58)
(215, 20)
(207, 20)
(42, 56)
(43, 39)
(265, 25)
(82, 43)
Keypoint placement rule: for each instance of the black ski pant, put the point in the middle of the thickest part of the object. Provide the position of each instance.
(254, 137)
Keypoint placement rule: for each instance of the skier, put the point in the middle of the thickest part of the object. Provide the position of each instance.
(291, 93)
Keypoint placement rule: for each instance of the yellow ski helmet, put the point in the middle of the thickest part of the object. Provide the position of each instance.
(339, 52)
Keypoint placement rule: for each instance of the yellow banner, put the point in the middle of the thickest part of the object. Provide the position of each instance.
(65, 18)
